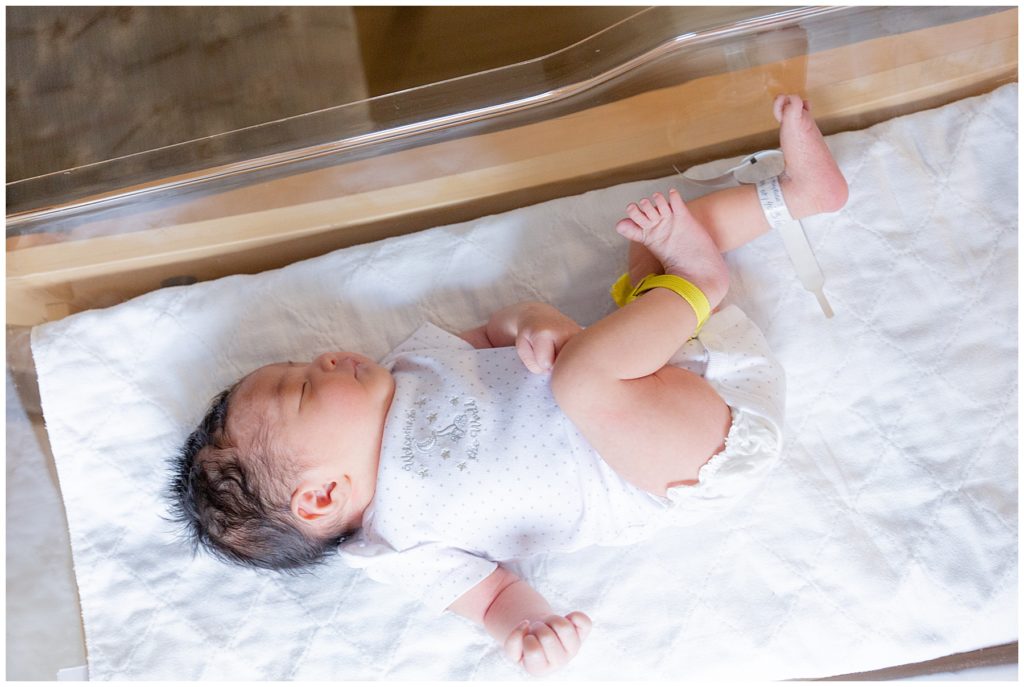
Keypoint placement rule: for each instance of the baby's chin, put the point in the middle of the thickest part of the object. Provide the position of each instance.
(380, 378)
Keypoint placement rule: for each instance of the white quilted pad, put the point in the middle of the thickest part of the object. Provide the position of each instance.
(886, 535)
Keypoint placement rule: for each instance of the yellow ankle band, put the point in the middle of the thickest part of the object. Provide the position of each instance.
(623, 293)
(622, 290)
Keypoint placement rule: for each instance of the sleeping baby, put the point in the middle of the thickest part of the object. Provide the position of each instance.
(528, 434)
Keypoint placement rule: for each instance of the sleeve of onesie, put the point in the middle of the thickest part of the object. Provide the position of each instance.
(436, 574)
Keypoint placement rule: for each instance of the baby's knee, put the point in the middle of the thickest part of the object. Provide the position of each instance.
(573, 381)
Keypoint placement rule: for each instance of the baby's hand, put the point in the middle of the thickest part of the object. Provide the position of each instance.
(543, 646)
(542, 332)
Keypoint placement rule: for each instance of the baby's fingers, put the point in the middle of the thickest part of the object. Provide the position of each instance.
(567, 634)
(536, 658)
(537, 352)
(544, 350)
(550, 641)
(514, 642)
(582, 622)
(526, 353)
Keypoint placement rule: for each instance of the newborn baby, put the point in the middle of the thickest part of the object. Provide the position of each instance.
(528, 434)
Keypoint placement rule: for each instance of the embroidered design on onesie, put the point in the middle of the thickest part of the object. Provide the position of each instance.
(446, 435)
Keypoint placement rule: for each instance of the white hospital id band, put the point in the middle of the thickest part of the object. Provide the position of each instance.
(769, 193)
(751, 170)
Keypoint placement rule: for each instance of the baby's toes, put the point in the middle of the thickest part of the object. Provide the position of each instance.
(675, 202)
(662, 205)
(629, 229)
(777, 105)
(637, 215)
(796, 110)
(652, 212)
(788, 107)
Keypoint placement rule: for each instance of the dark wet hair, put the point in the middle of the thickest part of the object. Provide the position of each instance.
(235, 504)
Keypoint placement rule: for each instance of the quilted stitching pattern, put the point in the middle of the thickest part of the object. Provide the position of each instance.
(888, 533)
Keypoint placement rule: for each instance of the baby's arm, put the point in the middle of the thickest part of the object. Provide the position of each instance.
(537, 330)
(518, 617)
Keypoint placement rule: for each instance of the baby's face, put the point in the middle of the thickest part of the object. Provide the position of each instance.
(326, 413)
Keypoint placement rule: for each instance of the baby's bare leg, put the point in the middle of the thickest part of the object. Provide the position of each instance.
(811, 184)
(658, 425)
(655, 425)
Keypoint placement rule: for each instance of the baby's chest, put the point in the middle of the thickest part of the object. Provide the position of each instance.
(466, 413)
(452, 482)
(476, 449)
(460, 464)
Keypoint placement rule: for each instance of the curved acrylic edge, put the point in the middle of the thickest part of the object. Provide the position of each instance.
(415, 116)
(649, 35)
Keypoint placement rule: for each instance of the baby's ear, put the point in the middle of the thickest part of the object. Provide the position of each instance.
(313, 500)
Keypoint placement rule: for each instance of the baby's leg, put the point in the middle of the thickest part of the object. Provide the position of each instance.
(811, 184)
(655, 425)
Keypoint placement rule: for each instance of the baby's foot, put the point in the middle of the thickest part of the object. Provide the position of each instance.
(812, 182)
(678, 241)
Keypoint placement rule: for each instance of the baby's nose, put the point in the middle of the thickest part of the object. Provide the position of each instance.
(327, 361)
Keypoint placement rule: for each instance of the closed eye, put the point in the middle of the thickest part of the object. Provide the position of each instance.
(302, 393)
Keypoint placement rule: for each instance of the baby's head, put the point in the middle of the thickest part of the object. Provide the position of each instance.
(285, 462)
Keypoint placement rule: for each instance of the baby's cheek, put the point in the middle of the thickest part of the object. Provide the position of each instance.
(384, 384)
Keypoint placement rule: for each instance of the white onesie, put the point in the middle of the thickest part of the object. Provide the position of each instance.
(478, 463)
